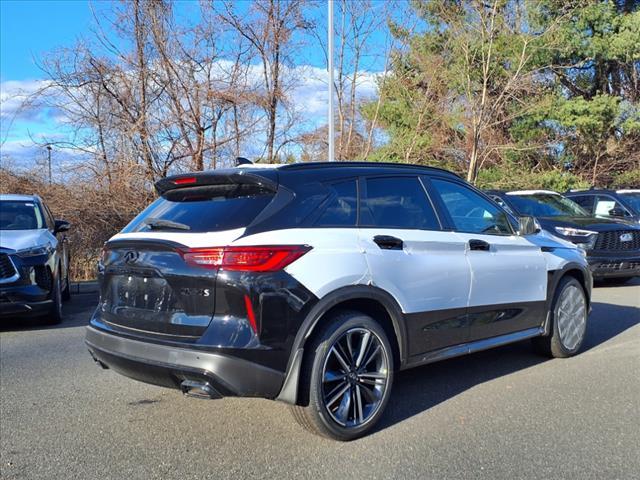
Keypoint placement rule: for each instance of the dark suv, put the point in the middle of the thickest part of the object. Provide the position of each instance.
(612, 246)
(313, 283)
(620, 204)
(34, 259)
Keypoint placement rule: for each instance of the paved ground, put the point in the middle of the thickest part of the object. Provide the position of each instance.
(499, 414)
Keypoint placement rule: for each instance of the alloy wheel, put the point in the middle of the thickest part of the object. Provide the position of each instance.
(355, 377)
(572, 317)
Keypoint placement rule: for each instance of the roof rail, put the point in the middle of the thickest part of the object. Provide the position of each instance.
(311, 165)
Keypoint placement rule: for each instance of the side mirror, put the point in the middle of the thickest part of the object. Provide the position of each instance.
(617, 212)
(61, 226)
(527, 226)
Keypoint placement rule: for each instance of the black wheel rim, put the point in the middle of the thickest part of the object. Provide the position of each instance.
(355, 377)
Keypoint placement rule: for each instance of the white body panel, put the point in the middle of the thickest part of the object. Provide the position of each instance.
(430, 273)
(336, 260)
(513, 271)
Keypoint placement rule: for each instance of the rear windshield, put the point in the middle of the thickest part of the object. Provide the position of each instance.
(20, 215)
(203, 209)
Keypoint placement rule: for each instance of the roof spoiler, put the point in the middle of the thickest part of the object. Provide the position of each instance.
(220, 177)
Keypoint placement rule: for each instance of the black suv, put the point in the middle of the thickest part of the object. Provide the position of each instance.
(621, 204)
(612, 245)
(34, 259)
(313, 283)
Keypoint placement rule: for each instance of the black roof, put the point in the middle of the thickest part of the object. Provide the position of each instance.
(369, 165)
(295, 174)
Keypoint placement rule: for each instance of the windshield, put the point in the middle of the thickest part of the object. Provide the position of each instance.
(20, 215)
(633, 199)
(208, 209)
(547, 205)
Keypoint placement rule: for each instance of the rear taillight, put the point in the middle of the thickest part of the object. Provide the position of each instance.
(247, 259)
(103, 255)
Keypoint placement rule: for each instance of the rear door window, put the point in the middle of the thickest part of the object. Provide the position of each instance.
(203, 209)
(397, 202)
(341, 209)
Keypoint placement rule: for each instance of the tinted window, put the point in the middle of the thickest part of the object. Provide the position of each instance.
(203, 209)
(341, 208)
(398, 202)
(469, 211)
(585, 201)
(20, 215)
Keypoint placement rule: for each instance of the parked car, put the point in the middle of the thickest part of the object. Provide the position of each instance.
(314, 283)
(612, 246)
(621, 204)
(34, 259)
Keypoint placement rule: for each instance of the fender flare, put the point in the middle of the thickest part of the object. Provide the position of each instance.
(289, 391)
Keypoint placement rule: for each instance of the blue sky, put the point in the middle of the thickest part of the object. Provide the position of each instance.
(30, 29)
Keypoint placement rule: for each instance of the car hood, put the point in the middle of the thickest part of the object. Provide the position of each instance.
(21, 239)
(587, 223)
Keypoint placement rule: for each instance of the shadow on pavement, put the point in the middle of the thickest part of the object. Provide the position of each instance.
(422, 388)
(77, 312)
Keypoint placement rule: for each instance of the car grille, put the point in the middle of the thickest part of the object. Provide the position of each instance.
(617, 266)
(6, 267)
(612, 241)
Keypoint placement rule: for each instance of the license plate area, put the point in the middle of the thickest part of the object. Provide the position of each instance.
(144, 300)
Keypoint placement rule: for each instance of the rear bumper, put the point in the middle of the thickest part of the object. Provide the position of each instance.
(609, 267)
(175, 367)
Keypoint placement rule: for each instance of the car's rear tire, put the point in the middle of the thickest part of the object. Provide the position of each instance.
(55, 313)
(568, 321)
(346, 377)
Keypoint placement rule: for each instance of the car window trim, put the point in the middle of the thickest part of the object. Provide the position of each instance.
(362, 194)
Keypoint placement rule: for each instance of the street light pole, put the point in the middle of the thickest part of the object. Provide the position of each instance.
(49, 155)
(330, 69)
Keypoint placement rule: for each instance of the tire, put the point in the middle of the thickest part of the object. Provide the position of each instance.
(55, 314)
(363, 375)
(569, 314)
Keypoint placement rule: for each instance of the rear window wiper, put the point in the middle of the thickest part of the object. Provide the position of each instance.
(160, 224)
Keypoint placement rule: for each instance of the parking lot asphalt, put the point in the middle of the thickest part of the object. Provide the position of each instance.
(504, 413)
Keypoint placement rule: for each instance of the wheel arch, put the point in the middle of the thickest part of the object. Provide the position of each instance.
(369, 300)
(575, 270)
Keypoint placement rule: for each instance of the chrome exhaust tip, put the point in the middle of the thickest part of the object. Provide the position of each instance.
(196, 389)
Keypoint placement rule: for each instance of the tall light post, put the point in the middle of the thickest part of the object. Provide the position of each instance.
(330, 69)
(49, 160)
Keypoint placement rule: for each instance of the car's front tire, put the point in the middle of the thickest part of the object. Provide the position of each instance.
(568, 317)
(55, 313)
(346, 378)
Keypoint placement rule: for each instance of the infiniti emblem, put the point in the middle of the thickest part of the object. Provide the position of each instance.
(626, 237)
(131, 256)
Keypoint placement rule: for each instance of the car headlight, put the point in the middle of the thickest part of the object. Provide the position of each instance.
(34, 251)
(584, 239)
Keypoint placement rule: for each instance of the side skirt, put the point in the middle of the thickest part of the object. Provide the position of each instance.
(472, 347)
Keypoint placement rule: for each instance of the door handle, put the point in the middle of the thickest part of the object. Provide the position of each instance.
(387, 242)
(475, 244)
